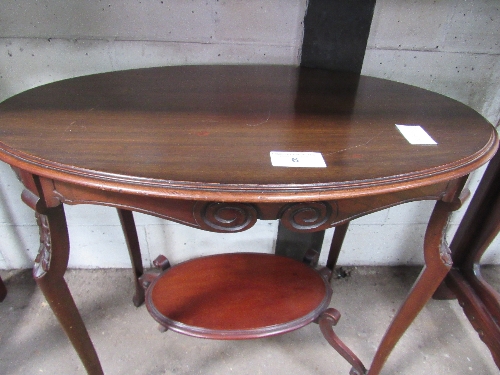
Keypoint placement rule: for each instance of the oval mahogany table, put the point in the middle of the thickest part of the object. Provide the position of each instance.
(192, 144)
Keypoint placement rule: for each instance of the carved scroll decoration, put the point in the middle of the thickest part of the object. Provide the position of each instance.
(225, 217)
(303, 217)
(444, 249)
(42, 260)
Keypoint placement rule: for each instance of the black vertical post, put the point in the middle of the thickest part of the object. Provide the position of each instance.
(335, 37)
(336, 33)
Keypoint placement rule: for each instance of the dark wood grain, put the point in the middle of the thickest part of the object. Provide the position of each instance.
(205, 132)
(236, 296)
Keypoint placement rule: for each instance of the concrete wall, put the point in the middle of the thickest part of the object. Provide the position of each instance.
(451, 47)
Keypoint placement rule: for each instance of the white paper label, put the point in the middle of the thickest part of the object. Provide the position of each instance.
(416, 135)
(297, 159)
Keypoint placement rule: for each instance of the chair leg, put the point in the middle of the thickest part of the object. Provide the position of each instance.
(134, 250)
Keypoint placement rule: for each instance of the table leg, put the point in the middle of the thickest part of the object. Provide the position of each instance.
(3, 290)
(327, 321)
(437, 264)
(49, 269)
(337, 241)
(134, 250)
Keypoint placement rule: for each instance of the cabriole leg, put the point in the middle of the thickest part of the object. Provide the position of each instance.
(437, 264)
(49, 269)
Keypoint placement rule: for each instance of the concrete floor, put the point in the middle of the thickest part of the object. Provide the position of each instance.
(441, 341)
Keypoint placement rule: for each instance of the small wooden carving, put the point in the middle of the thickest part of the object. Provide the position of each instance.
(308, 216)
(445, 253)
(161, 262)
(42, 260)
(224, 217)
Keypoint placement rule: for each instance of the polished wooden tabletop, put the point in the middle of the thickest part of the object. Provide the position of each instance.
(205, 132)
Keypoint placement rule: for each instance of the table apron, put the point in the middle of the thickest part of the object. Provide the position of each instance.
(227, 217)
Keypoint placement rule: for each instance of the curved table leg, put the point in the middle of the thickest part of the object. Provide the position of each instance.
(437, 264)
(327, 320)
(49, 269)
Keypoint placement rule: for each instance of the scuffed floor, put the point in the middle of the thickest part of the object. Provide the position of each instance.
(441, 341)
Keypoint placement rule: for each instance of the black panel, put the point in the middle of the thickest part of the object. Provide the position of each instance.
(336, 33)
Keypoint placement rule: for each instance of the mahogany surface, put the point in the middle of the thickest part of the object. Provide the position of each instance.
(205, 132)
(192, 144)
(236, 296)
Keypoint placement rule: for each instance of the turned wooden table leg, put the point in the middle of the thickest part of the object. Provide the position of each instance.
(437, 264)
(49, 269)
(134, 250)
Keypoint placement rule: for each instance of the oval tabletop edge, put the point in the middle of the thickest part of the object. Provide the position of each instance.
(200, 132)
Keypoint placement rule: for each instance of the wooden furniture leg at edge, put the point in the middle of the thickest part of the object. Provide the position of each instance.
(49, 269)
(437, 264)
(478, 228)
(479, 300)
(3, 290)
(478, 314)
(134, 250)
